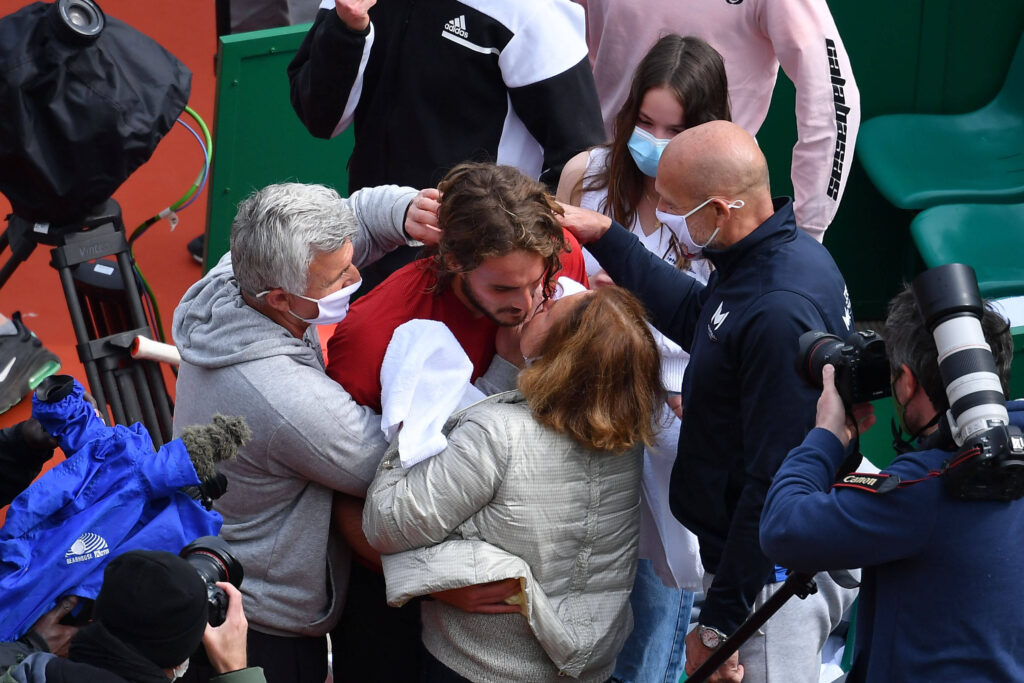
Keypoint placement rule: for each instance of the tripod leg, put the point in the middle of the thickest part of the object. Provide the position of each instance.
(112, 395)
(16, 236)
(99, 391)
(145, 402)
(131, 289)
(161, 401)
(129, 397)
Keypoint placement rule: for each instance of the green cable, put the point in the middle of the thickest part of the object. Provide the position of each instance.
(195, 186)
(152, 301)
(138, 232)
(209, 155)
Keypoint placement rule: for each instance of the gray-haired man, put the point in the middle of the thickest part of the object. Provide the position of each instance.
(248, 344)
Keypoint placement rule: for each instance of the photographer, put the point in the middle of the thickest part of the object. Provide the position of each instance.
(151, 615)
(941, 595)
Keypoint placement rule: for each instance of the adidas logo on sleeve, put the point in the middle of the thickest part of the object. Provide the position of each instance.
(457, 26)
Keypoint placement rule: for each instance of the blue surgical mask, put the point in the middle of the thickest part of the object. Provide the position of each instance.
(677, 224)
(646, 151)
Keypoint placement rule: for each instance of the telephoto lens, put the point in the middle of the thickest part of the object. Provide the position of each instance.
(951, 305)
(211, 556)
(990, 463)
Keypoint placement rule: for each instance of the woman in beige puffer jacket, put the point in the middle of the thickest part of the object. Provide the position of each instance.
(540, 485)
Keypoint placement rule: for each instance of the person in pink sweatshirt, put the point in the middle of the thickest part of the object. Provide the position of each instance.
(754, 37)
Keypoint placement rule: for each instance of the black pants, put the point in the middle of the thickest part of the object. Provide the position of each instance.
(284, 659)
(373, 642)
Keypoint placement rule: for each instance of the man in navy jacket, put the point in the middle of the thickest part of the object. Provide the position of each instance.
(941, 593)
(744, 407)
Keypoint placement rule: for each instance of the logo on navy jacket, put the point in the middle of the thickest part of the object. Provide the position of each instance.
(847, 310)
(717, 318)
(88, 546)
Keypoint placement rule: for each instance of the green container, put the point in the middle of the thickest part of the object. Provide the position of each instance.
(258, 139)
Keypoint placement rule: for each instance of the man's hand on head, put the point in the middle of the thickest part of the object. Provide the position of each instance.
(226, 644)
(832, 412)
(601, 279)
(354, 13)
(586, 225)
(421, 217)
(483, 598)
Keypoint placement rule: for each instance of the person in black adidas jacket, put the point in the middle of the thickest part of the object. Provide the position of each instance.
(744, 407)
(431, 84)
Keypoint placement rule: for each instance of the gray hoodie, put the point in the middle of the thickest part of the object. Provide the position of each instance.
(309, 437)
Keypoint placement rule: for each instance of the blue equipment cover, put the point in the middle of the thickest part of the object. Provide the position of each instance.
(112, 494)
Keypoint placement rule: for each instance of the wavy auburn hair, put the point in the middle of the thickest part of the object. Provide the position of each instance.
(489, 210)
(598, 375)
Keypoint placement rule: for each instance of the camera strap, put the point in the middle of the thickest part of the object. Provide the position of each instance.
(868, 481)
(884, 483)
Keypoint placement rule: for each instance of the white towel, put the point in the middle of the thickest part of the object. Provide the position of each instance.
(424, 379)
(566, 286)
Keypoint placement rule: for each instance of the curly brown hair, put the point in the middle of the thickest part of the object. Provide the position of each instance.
(598, 377)
(489, 210)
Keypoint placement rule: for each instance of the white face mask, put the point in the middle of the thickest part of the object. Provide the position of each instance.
(677, 224)
(332, 308)
(179, 671)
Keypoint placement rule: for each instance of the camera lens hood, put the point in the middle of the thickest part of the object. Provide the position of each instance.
(213, 559)
(947, 291)
(78, 22)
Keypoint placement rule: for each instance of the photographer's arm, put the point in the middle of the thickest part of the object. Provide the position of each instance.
(226, 644)
(831, 413)
(808, 526)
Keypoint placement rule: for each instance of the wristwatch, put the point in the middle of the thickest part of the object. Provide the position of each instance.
(710, 637)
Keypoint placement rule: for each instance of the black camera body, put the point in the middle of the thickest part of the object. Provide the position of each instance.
(995, 468)
(862, 367)
(211, 556)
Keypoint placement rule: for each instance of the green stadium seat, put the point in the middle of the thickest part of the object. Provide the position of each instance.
(921, 160)
(987, 237)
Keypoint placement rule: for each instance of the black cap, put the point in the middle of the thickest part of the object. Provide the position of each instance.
(156, 602)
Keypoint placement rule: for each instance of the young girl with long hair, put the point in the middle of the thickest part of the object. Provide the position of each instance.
(681, 83)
